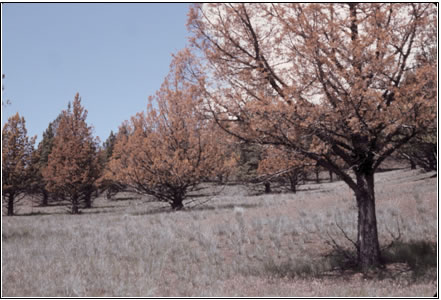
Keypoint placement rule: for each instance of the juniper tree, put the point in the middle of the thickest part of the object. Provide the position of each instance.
(73, 167)
(17, 152)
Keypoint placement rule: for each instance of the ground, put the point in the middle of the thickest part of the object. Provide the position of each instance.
(231, 241)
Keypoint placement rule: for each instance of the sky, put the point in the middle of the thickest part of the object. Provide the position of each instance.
(113, 55)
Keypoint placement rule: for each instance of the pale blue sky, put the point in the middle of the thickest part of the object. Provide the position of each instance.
(114, 55)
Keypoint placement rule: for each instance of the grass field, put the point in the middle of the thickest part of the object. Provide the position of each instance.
(235, 243)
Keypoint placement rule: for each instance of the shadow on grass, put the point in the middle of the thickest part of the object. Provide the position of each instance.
(414, 261)
(168, 209)
(103, 206)
(419, 256)
(123, 198)
(39, 213)
(55, 204)
(382, 170)
(224, 206)
(287, 190)
(8, 237)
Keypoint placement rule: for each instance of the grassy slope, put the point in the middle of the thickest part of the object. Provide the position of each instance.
(233, 245)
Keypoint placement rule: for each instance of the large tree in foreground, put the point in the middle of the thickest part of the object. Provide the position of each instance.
(171, 148)
(73, 168)
(17, 151)
(325, 80)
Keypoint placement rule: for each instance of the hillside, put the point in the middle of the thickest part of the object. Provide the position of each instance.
(230, 242)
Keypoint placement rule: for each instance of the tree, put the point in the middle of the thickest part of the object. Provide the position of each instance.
(249, 156)
(110, 186)
(40, 161)
(17, 150)
(169, 150)
(72, 167)
(109, 144)
(421, 151)
(277, 162)
(324, 80)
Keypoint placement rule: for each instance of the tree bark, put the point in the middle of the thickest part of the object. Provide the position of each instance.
(88, 200)
(177, 204)
(75, 207)
(11, 204)
(367, 239)
(293, 179)
(45, 199)
(267, 187)
(412, 164)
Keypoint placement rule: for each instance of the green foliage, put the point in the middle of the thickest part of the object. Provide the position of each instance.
(109, 144)
(248, 162)
(40, 161)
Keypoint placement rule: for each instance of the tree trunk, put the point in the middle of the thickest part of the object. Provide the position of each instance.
(267, 187)
(177, 204)
(45, 200)
(11, 204)
(367, 239)
(88, 200)
(331, 179)
(293, 179)
(317, 176)
(75, 208)
(412, 164)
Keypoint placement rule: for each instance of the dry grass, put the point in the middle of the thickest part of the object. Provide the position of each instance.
(233, 245)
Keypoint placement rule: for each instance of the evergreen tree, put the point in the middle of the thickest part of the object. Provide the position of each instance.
(17, 151)
(73, 166)
(40, 161)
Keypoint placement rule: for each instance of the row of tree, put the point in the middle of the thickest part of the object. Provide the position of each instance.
(339, 86)
(65, 165)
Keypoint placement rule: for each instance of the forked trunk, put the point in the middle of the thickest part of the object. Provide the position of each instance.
(367, 239)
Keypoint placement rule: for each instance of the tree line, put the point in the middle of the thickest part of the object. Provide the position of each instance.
(341, 87)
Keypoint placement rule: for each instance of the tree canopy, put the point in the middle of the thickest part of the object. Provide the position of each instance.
(73, 167)
(17, 151)
(324, 80)
(172, 147)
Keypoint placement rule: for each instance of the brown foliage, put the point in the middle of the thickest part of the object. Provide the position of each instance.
(17, 151)
(72, 167)
(281, 163)
(172, 147)
(326, 80)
